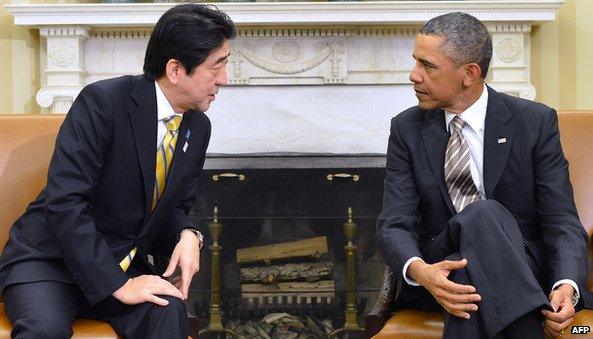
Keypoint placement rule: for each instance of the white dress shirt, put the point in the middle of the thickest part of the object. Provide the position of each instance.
(473, 132)
(164, 111)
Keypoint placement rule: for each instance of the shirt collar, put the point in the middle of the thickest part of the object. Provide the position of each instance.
(164, 108)
(474, 115)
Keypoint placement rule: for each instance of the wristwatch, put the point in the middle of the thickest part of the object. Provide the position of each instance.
(197, 233)
(575, 298)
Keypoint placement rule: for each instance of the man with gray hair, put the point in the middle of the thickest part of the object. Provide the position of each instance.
(478, 215)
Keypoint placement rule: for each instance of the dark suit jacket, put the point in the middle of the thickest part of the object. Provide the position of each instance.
(96, 205)
(527, 174)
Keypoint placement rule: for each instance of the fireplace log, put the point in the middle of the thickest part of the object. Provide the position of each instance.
(313, 247)
(283, 325)
(313, 271)
(323, 288)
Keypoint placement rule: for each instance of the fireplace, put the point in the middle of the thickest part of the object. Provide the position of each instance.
(280, 200)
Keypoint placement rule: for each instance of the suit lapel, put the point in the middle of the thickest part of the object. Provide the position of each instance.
(499, 132)
(143, 118)
(180, 155)
(435, 138)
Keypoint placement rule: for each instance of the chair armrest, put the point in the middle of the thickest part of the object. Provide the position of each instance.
(375, 319)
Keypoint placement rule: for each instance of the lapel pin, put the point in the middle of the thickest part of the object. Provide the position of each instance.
(502, 140)
(150, 259)
(187, 135)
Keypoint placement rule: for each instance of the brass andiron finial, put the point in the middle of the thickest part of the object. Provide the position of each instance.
(215, 325)
(351, 323)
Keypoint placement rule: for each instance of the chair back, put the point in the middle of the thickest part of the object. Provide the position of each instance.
(576, 136)
(26, 145)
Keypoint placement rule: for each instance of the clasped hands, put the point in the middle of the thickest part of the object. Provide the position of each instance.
(146, 288)
(459, 300)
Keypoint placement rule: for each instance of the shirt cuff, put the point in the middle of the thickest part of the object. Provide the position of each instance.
(577, 294)
(410, 281)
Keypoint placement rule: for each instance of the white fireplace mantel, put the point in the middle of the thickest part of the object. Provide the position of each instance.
(305, 77)
(283, 13)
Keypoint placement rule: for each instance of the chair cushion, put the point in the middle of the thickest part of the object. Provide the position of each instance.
(83, 328)
(412, 324)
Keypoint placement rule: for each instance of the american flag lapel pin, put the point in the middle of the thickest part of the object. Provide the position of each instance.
(502, 140)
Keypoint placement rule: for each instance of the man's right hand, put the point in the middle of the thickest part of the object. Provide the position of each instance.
(145, 288)
(456, 299)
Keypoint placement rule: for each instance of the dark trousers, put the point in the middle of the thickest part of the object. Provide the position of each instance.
(46, 309)
(499, 267)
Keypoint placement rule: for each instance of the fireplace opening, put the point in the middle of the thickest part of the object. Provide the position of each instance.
(294, 244)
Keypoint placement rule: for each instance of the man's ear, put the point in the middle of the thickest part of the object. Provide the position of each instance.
(472, 73)
(173, 71)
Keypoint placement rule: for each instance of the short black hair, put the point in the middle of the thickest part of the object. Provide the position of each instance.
(466, 39)
(187, 33)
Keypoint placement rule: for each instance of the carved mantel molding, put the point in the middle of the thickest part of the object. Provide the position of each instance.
(357, 46)
(286, 13)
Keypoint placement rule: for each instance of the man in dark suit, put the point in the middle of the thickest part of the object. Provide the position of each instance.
(121, 183)
(478, 216)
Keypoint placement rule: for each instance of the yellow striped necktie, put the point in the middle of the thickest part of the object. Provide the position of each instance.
(164, 155)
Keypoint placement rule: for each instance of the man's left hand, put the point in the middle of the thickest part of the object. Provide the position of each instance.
(186, 256)
(559, 320)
